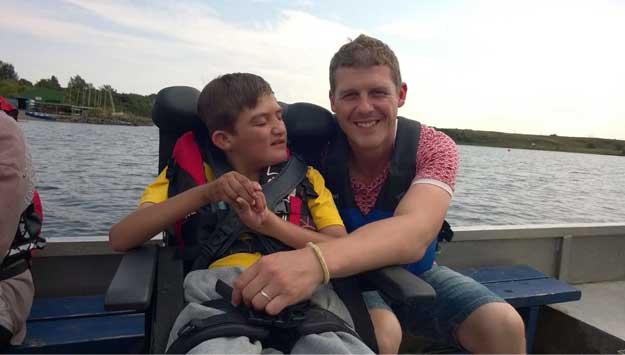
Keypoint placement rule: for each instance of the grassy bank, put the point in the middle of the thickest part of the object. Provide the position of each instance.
(529, 141)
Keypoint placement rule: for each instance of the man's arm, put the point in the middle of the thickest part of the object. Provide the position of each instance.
(295, 236)
(403, 238)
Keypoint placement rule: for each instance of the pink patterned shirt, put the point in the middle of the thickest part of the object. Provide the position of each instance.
(437, 164)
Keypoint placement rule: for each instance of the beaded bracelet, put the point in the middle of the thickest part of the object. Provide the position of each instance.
(322, 261)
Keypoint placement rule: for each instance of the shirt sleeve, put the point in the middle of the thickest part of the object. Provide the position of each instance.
(156, 191)
(437, 159)
(322, 209)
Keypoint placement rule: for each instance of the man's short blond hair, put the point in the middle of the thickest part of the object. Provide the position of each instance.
(364, 51)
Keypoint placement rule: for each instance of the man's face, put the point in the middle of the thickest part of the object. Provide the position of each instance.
(259, 138)
(365, 102)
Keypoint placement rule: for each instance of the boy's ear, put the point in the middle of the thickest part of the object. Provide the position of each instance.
(221, 139)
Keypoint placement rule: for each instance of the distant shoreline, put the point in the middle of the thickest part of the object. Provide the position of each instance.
(116, 121)
(537, 142)
(552, 142)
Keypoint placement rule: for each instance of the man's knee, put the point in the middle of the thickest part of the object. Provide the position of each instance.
(493, 328)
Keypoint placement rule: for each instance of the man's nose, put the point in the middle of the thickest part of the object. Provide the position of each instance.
(364, 104)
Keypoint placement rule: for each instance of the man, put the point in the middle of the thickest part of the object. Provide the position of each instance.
(365, 93)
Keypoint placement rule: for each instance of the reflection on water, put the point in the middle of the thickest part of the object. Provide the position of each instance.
(89, 176)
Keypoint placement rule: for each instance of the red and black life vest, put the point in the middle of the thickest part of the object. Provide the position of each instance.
(214, 230)
(27, 239)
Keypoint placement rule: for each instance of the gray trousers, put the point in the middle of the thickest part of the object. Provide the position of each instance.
(199, 286)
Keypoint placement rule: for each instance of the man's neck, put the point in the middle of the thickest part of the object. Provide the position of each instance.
(366, 165)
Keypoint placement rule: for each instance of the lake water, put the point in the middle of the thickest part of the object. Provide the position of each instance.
(90, 176)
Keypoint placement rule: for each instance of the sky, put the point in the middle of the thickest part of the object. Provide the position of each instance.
(531, 66)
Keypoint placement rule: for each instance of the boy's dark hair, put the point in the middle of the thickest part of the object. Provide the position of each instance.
(223, 99)
(364, 51)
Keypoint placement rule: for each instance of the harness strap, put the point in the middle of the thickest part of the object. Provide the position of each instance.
(350, 292)
(228, 229)
(271, 330)
(229, 324)
(13, 270)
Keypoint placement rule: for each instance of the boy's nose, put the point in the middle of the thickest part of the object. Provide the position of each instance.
(279, 128)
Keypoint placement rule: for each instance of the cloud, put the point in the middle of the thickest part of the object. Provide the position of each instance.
(175, 44)
(528, 66)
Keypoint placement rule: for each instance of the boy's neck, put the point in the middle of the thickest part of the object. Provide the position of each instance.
(249, 172)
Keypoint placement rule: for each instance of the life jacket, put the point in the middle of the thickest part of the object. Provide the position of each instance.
(214, 231)
(401, 173)
(26, 240)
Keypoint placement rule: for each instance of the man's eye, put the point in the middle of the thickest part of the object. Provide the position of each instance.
(349, 95)
(379, 93)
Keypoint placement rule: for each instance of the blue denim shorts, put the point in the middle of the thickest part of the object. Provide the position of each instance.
(373, 299)
(457, 296)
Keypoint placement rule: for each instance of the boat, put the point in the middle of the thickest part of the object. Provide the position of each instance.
(41, 115)
(588, 256)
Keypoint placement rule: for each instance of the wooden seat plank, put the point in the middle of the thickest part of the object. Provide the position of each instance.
(69, 307)
(488, 274)
(528, 293)
(101, 334)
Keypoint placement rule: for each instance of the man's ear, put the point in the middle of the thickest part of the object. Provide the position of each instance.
(221, 139)
(403, 91)
(331, 96)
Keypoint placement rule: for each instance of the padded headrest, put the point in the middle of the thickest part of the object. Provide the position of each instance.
(305, 121)
(175, 109)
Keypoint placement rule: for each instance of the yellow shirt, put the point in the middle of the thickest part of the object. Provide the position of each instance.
(322, 208)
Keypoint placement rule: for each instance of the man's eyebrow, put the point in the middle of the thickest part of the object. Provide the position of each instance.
(345, 91)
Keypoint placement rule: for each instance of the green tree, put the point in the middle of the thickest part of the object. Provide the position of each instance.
(25, 83)
(76, 82)
(7, 71)
(52, 83)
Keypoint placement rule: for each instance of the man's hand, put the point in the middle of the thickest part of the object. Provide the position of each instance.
(284, 278)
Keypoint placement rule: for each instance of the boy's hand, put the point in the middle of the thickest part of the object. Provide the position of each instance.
(254, 216)
(232, 186)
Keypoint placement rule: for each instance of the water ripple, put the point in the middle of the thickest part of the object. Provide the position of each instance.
(90, 176)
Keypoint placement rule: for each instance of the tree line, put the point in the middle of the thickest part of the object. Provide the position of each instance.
(78, 92)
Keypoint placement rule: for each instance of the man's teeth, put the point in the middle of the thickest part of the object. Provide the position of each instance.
(366, 124)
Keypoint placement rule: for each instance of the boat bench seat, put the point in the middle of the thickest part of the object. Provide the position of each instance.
(80, 324)
(526, 289)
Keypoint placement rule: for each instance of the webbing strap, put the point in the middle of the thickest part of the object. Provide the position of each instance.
(350, 292)
(229, 228)
(14, 270)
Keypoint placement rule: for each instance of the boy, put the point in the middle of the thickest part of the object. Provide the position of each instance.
(244, 122)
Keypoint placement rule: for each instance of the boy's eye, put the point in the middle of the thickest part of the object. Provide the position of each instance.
(261, 121)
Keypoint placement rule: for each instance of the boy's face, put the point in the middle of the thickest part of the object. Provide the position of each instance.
(365, 101)
(259, 138)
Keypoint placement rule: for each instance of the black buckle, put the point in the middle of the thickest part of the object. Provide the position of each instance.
(290, 317)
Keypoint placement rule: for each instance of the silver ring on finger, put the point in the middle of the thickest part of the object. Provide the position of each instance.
(265, 294)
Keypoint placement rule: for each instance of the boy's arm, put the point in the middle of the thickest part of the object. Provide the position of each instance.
(296, 236)
(149, 219)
